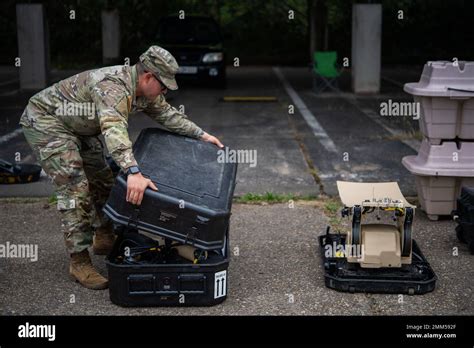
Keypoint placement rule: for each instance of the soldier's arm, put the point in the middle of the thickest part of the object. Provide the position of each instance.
(111, 105)
(174, 120)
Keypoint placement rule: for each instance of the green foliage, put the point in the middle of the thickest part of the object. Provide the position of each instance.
(261, 32)
(333, 207)
(77, 43)
(53, 199)
(271, 197)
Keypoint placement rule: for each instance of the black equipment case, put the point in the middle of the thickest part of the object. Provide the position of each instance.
(18, 173)
(195, 190)
(464, 216)
(192, 207)
(170, 283)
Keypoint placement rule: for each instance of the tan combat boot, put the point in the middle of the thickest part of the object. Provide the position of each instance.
(82, 271)
(103, 241)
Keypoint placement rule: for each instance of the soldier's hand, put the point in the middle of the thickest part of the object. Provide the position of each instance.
(136, 186)
(211, 139)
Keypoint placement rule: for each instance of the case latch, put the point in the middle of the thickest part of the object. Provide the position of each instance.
(191, 236)
(133, 220)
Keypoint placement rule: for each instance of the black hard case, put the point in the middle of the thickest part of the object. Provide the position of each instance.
(194, 200)
(465, 217)
(181, 284)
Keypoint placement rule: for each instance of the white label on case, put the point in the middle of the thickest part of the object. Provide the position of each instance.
(220, 284)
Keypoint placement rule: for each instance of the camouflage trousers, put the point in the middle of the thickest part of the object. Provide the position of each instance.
(83, 181)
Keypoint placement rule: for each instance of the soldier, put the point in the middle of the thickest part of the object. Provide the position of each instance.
(62, 124)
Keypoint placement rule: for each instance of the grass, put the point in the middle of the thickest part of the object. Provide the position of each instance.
(417, 135)
(271, 197)
(330, 206)
(22, 200)
(53, 199)
(333, 206)
(332, 209)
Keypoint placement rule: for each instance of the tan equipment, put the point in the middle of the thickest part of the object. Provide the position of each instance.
(376, 245)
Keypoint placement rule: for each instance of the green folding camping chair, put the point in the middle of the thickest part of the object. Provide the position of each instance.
(326, 73)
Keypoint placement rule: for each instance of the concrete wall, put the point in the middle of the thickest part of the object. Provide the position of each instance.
(366, 47)
(33, 46)
(110, 36)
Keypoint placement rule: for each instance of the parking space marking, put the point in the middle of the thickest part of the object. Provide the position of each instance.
(308, 116)
(351, 98)
(412, 143)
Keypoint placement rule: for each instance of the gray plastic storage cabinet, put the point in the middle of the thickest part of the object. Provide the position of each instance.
(446, 96)
(445, 161)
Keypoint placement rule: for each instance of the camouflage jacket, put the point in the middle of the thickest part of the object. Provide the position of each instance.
(99, 101)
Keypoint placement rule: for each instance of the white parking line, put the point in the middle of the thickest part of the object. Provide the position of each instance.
(351, 98)
(7, 137)
(308, 116)
(412, 143)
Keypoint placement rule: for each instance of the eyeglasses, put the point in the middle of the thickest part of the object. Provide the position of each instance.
(162, 85)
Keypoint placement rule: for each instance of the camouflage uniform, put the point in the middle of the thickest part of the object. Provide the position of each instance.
(62, 124)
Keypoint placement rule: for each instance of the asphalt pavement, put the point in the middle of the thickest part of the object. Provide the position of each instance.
(275, 269)
(291, 157)
(275, 265)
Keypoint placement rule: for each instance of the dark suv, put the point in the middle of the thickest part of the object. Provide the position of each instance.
(196, 43)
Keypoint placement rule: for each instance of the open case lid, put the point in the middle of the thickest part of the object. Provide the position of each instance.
(371, 194)
(186, 168)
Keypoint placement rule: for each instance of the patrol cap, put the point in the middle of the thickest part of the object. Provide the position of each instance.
(162, 64)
